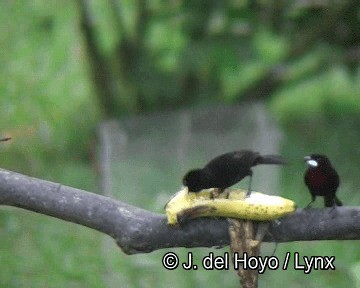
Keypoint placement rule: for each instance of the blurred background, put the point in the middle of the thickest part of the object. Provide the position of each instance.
(210, 76)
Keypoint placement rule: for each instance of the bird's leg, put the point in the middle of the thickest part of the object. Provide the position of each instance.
(309, 205)
(276, 223)
(313, 197)
(262, 229)
(333, 208)
(250, 180)
(276, 246)
(333, 205)
(216, 192)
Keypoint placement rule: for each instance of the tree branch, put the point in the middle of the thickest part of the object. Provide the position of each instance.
(139, 231)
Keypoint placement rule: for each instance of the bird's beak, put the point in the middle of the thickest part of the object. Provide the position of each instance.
(310, 162)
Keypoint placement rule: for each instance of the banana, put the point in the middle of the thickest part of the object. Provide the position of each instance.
(230, 204)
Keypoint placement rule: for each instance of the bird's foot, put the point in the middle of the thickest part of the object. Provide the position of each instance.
(216, 192)
(333, 208)
(248, 193)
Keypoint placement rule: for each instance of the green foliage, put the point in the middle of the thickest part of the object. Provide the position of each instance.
(238, 79)
(46, 103)
(270, 47)
(334, 93)
(165, 42)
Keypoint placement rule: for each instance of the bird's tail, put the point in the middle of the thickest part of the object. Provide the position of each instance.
(271, 159)
(332, 201)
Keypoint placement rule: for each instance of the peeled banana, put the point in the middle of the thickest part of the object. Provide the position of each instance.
(230, 204)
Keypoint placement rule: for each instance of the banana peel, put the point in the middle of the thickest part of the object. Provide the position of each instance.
(230, 204)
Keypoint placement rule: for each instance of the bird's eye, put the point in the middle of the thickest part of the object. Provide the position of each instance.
(312, 163)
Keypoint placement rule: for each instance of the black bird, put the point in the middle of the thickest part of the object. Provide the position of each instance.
(322, 179)
(227, 169)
